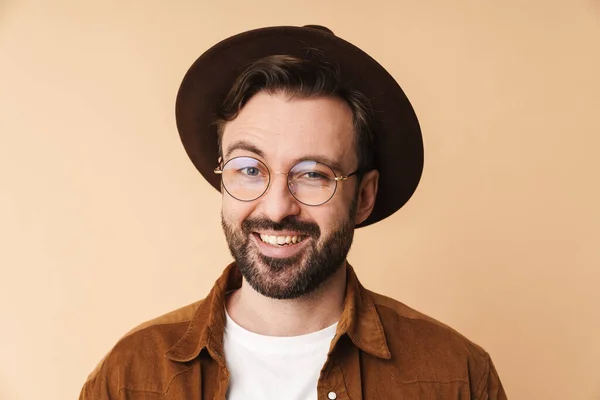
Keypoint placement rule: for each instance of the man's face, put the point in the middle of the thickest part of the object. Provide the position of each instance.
(280, 132)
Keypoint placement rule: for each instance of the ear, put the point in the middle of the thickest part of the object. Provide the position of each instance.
(367, 192)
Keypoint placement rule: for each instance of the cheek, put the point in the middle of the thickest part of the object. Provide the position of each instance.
(235, 211)
(342, 200)
(328, 217)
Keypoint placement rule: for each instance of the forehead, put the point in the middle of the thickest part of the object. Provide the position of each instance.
(285, 129)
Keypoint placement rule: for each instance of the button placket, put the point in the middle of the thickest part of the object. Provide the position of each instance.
(332, 385)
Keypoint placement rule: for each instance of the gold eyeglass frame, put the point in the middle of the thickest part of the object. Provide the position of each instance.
(219, 171)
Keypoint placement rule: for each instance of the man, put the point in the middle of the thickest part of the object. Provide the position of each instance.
(308, 138)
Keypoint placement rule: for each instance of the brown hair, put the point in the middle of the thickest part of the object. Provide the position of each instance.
(301, 78)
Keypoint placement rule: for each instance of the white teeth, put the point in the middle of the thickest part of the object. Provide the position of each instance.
(280, 240)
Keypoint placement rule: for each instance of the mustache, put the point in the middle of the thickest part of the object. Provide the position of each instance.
(288, 224)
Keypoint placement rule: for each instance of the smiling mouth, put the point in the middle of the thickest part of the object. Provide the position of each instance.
(281, 241)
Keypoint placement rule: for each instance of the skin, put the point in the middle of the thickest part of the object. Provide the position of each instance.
(285, 130)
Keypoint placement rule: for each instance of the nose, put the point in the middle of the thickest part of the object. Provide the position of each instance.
(278, 203)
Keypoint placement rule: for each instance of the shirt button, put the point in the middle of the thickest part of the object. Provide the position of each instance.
(332, 396)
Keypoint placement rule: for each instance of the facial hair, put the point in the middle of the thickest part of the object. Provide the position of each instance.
(296, 276)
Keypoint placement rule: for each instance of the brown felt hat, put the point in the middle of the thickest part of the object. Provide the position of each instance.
(399, 154)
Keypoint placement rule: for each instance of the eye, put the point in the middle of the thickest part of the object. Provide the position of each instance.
(314, 175)
(250, 171)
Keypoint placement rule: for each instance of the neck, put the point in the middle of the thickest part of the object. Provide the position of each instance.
(272, 317)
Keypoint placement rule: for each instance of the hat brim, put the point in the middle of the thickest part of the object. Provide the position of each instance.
(399, 157)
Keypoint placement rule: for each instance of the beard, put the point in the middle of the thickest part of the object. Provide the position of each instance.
(295, 276)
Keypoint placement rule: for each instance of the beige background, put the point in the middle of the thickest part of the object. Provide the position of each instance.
(104, 222)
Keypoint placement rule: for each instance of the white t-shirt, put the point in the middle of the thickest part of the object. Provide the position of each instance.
(272, 367)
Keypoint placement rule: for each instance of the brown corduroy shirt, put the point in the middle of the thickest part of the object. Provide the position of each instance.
(382, 350)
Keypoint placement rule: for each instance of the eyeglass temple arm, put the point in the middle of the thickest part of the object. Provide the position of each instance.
(219, 169)
(344, 177)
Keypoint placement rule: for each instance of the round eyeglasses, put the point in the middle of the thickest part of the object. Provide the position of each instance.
(310, 182)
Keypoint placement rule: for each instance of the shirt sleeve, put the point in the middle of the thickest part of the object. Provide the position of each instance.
(85, 395)
(490, 387)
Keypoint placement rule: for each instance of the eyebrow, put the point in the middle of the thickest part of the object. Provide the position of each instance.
(246, 146)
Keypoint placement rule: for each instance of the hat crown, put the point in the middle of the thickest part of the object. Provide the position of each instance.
(319, 28)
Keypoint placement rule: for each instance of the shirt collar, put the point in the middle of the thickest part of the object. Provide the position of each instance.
(359, 321)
